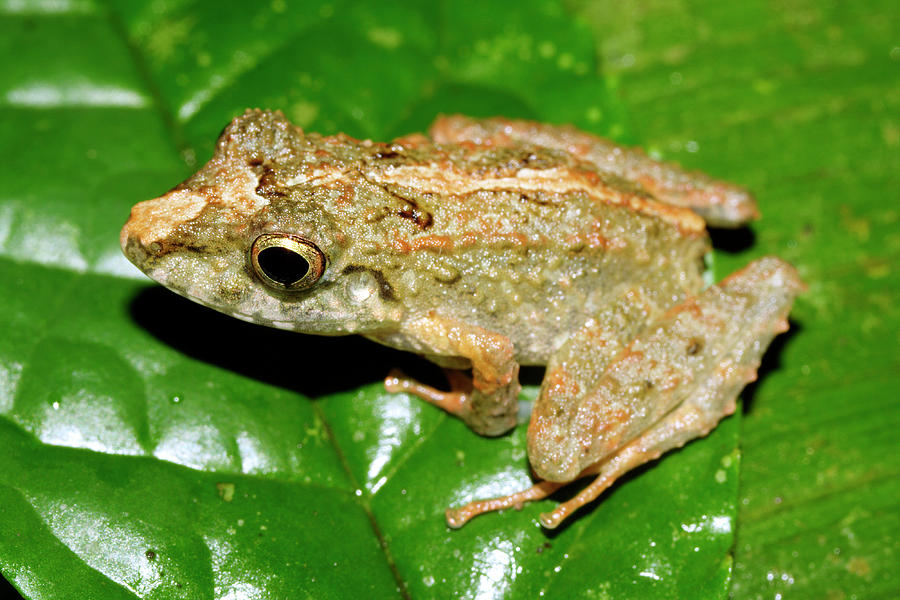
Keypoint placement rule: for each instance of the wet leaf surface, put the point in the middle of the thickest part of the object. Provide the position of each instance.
(151, 448)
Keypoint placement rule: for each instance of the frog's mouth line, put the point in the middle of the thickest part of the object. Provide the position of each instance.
(255, 319)
(160, 277)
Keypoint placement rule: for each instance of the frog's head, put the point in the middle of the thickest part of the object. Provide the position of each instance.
(247, 237)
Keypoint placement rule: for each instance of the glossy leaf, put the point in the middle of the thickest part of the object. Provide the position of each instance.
(151, 448)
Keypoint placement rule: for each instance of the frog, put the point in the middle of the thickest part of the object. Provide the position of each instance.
(483, 246)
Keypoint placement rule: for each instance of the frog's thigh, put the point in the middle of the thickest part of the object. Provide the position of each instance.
(576, 369)
(719, 203)
(490, 404)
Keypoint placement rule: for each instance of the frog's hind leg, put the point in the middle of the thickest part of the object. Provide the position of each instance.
(682, 425)
(721, 204)
(671, 384)
(600, 339)
(674, 382)
(690, 420)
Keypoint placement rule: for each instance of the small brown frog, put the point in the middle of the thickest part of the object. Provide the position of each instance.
(492, 244)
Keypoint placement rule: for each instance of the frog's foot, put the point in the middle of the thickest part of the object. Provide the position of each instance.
(634, 455)
(454, 402)
(487, 415)
(611, 470)
(684, 424)
(695, 418)
(457, 517)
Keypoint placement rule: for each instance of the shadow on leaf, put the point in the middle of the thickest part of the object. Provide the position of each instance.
(311, 365)
(732, 241)
(771, 361)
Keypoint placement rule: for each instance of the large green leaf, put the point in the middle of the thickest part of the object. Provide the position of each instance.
(151, 448)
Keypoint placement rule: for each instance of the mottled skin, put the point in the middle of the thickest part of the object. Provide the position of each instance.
(507, 243)
(721, 204)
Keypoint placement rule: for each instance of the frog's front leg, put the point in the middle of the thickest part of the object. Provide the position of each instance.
(488, 403)
(671, 384)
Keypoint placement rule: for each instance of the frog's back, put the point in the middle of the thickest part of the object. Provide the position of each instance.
(525, 241)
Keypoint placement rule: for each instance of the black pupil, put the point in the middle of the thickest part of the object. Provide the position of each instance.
(282, 265)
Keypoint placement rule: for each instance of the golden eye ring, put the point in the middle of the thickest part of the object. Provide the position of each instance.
(286, 262)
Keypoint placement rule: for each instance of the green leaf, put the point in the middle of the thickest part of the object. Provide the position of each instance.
(152, 448)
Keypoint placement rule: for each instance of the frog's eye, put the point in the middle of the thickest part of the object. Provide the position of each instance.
(286, 262)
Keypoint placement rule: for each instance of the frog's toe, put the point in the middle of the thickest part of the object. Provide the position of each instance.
(459, 516)
(453, 402)
(490, 416)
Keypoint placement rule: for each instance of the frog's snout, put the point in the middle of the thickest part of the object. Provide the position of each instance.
(152, 221)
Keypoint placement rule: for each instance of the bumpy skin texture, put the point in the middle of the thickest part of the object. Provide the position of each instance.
(721, 204)
(501, 243)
